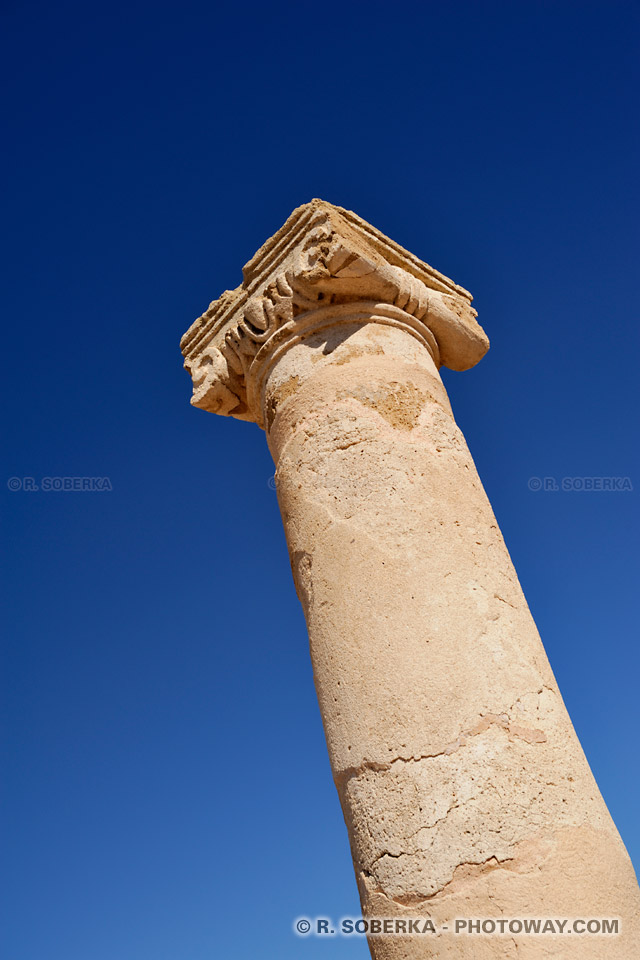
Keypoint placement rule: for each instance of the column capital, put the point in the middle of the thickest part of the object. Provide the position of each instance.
(322, 267)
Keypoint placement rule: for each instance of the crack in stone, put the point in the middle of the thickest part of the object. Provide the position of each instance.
(470, 870)
(497, 596)
(528, 734)
(426, 826)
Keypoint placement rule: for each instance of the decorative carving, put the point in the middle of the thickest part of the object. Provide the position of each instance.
(215, 386)
(329, 264)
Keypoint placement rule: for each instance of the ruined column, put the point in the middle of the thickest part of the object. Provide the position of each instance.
(464, 788)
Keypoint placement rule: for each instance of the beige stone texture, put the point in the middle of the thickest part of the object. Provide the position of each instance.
(464, 788)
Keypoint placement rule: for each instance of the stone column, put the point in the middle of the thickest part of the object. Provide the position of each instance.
(464, 788)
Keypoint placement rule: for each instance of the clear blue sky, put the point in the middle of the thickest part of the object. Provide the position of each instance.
(167, 793)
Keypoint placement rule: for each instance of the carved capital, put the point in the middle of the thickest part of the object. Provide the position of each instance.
(324, 266)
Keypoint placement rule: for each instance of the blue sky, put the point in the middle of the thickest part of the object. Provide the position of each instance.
(167, 793)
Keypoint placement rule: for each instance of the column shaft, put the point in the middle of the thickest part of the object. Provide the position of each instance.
(463, 785)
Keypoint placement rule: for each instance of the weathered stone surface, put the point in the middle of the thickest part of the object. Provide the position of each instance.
(464, 788)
